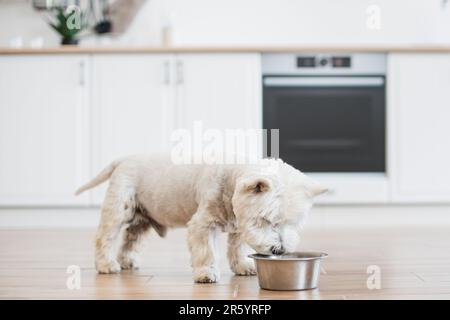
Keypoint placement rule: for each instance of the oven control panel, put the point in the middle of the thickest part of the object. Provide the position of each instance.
(324, 61)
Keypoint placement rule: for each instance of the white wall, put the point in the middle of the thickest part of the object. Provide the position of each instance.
(19, 20)
(297, 22)
(257, 22)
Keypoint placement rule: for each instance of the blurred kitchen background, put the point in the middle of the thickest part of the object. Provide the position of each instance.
(244, 23)
(359, 89)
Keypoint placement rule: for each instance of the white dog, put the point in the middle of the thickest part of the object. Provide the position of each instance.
(263, 205)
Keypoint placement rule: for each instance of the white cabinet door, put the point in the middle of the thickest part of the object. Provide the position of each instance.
(419, 129)
(219, 92)
(43, 129)
(132, 111)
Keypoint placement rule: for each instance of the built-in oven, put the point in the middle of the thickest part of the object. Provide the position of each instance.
(329, 109)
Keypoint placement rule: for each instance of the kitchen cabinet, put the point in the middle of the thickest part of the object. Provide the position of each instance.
(352, 188)
(131, 108)
(219, 97)
(223, 91)
(418, 127)
(44, 129)
(139, 100)
(65, 117)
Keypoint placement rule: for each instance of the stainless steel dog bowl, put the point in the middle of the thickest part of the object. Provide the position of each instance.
(293, 271)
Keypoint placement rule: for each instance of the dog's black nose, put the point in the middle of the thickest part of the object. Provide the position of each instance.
(277, 250)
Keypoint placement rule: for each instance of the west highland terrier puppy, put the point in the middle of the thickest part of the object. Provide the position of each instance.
(262, 206)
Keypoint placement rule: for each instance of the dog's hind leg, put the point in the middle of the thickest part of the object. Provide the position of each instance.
(116, 210)
(134, 236)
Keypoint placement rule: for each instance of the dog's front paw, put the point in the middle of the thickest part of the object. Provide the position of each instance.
(129, 261)
(107, 266)
(206, 275)
(244, 268)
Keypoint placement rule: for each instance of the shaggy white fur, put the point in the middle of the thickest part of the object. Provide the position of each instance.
(262, 205)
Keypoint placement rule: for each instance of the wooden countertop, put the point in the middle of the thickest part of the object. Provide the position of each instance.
(227, 49)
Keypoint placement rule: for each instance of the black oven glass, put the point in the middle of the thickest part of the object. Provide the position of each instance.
(326, 128)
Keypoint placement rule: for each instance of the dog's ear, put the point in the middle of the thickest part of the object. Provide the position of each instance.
(254, 185)
(314, 187)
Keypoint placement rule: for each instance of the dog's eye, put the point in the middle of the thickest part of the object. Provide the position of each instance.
(273, 224)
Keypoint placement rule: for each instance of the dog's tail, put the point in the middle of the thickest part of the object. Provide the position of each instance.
(104, 175)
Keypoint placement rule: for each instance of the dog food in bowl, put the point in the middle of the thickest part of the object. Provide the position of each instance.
(293, 271)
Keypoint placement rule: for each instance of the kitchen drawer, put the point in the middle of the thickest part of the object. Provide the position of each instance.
(352, 188)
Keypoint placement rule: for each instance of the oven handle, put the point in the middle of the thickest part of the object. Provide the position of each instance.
(324, 81)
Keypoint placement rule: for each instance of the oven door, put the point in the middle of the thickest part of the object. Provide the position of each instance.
(328, 124)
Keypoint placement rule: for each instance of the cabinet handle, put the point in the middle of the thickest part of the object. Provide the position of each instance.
(166, 71)
(81, 74)
(180, 72)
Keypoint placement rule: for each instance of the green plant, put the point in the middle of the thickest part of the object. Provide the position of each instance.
(68, 24)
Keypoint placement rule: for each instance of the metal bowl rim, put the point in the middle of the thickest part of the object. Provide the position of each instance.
(314, 256)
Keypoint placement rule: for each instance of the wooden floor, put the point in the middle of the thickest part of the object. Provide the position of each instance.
(414, 264)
